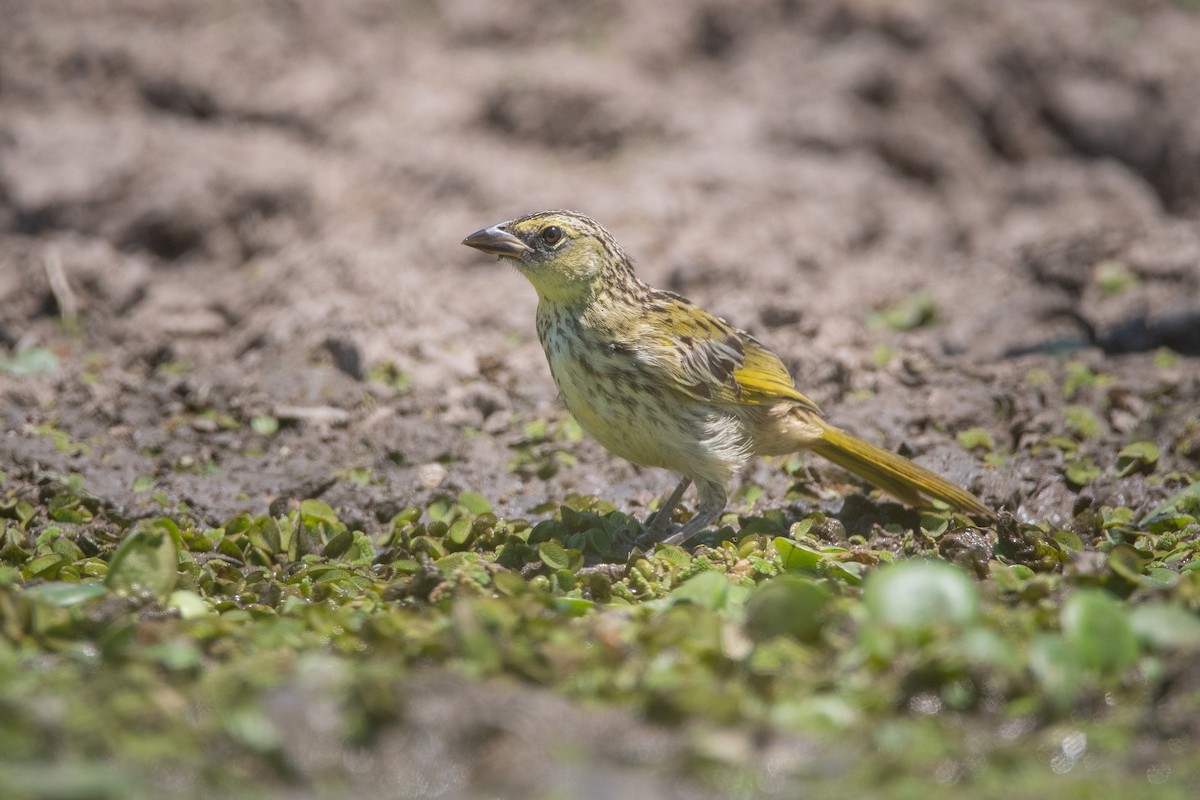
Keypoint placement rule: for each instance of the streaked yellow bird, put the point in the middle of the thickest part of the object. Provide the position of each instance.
(661, 382)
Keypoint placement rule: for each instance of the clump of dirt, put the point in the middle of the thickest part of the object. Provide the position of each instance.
(216, 217)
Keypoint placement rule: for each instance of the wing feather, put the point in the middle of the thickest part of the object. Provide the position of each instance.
(709, 359)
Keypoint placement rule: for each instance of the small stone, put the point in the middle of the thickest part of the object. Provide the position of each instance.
(204, 425)
(431, 475)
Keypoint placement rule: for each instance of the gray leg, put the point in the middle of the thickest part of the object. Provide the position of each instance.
(712, 503)
(662, 517)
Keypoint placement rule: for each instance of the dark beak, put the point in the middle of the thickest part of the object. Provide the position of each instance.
(497, 241)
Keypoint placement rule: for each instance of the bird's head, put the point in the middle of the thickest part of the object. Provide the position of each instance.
(566, 256)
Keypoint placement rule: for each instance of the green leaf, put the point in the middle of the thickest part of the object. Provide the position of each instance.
(536, 429)
(390, 375)
(673, 554)
(906, 314)
(1184, 503)
(459, 532)
(176, 654)
(475, 503)
(1095, 626)
(916, 595)
(1058, 670)
(144, 483)
(146, 560)
(788, 605)
(1128, 562)
(850, 572)
(1165, 358)
(69, 508)
(362, 551)
(189, 605)
(62, 594)
(1162, 577)
(1069, 539)
(338, 545)
(1081, 470)
(1114, 277)
(251, 727)
(1165, 627)
(573, 606)
(264, 425)
(34, 361)
(709, 589)
(1079, 376)
(1137, 457)
(750, 493)
(801, 528)
(359, 476)
(46, 566)
(315, 513)
(1068, 447)
(1081, 422)
(793, 556)
(554, 555)
(976, 439)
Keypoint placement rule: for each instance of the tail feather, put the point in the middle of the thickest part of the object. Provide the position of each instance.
(893, 473)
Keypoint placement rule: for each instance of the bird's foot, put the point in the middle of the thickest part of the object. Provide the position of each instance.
(712, 503)
(684, 533)
(657, 525)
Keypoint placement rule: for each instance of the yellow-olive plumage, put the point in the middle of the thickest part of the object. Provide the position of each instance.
(663, 383)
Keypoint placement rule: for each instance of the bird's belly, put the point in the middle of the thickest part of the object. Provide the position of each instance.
(626, 408)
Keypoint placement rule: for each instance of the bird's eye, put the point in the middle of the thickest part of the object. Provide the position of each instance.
(552, 234)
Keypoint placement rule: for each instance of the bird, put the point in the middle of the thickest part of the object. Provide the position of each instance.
(661, 382)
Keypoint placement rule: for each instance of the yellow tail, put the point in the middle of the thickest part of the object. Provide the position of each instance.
(893, 473)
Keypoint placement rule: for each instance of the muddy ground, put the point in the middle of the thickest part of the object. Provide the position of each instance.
(219, 217)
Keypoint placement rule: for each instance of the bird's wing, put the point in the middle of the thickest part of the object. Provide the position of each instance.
(764, 378)
(708, 359)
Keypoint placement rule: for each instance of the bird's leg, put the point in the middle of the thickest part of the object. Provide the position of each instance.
(712, 503)
(662, 517)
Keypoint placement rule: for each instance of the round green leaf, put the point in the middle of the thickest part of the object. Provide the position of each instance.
(1096, 627)
(1128, 562)
(1137, 457)
(475, 503)
(919, 594)
(314, 512)
(1165, 627)
(709, 589)
(789, 605)
(189, 604)
(1057, 668)
(147, 560)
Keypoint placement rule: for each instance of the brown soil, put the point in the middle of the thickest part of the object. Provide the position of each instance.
(248, 208)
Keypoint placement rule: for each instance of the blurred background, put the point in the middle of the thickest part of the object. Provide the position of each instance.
(229, 232)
